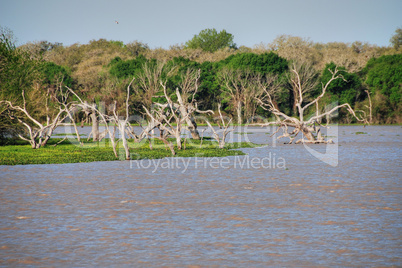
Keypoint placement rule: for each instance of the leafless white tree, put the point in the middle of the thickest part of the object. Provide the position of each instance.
(301, 80)
(123, 122)
(189, 83)
(226, 123)
(234, 85)
(370, 107)
(117, 121)
(149, 81)
(39, 132)
(238, 85)
(172, 117)
(169, 118)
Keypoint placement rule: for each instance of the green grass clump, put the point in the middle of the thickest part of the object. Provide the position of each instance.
(21, 153)
(62, 153)
(68, 134)
(359, 133)
(243, 133)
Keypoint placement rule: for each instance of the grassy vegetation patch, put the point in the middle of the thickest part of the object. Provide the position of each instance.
(68, 134)
(21, 153)
(243, 133)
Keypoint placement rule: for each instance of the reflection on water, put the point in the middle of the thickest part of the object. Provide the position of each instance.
(306, 213)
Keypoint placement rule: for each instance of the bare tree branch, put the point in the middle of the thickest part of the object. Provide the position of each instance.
(302, 80)
(226, 130)
(39, 133)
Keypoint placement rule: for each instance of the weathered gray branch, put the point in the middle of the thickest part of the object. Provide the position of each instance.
(301, 80)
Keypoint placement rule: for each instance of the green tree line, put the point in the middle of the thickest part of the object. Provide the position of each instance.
(101, 70)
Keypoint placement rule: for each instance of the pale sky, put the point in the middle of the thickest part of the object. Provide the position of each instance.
(161, 23)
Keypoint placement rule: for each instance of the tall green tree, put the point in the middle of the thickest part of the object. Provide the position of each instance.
(56, 74)
(384, 78)
(18, 71)
(125, 69)
(210, 40)
(385, 75)
(396, 39)
(261, 63)
(345, 90)
(32, 100)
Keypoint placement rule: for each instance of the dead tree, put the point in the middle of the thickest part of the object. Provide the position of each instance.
(238, 86)
(149, 81)
(120, 122)
(306, 82)
(162, 120)
(104, 118)
(70, 109)
(310, 128)
(234, 85)
(188, 89)
(86, 119)
(189, 85)
(172, 117)
(225, 126)
(123, 123)
(148, 87)
(370, 107)
(169, 119)
(95, 122)
(38, 133)
(187, 103)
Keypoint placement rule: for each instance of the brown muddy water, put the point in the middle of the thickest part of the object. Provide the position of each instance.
(279, 206)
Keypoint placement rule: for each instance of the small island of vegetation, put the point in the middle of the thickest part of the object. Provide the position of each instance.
(292, 83)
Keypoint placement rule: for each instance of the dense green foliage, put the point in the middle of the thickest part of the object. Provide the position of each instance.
(128, 68)
(210, 40)
(384, 79)
(260, 63)
(17, 70)
(18, 73)
(55, 74)
(384, 75)
(346, 90)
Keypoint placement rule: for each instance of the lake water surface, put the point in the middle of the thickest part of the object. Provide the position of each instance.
(279, 206)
